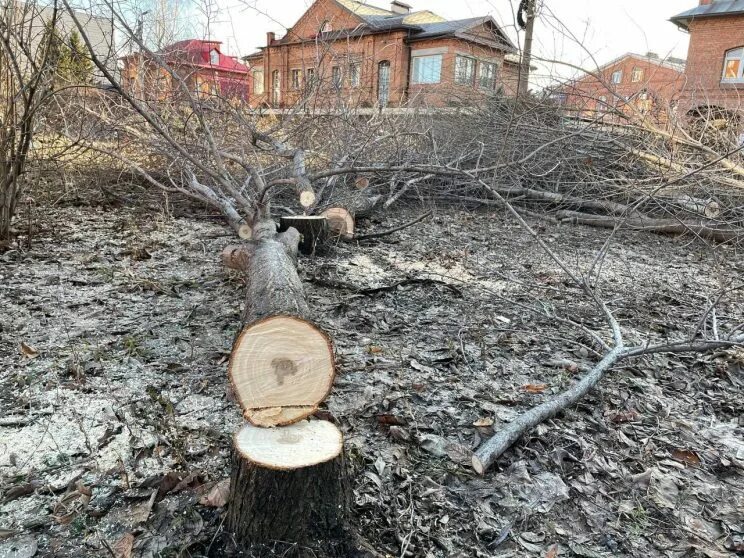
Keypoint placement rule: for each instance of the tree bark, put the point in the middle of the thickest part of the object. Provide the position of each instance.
(277, 501)
(298, 510)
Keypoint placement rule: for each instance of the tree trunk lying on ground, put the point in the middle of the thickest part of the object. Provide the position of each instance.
(288, 482)
(343, 214)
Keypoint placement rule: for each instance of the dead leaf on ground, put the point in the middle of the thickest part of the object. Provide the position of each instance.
(391, 419)
(218, 496)
(21, 490)
(28, 351)
(534, 388)
(552, 552)
(483, 422)
(22, 547)
(686, 456)
(123, 547)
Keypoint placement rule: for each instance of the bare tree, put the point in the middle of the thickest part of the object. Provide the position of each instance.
(27, 74)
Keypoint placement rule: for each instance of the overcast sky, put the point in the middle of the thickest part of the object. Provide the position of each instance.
(576, 31)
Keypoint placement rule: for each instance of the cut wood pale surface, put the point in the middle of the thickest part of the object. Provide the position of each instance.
(303, 444)
(289, 491)
(281, 369)
(340, 221)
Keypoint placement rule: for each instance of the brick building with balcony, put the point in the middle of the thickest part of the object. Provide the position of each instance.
(715, 58)
(633, 84)
(345, 52)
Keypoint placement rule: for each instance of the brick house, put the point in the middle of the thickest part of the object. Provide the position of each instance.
(350, 52)
(201, 64)
(632, 83)
(715, 58)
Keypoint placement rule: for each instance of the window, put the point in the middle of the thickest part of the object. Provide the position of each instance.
(336, 78)
(733, 66)
(617, 77)
(258, 81)
(427, 69)
(310, 77)
(487, 75)
(296, 79)
(326, 27)
(637, 75)
(602, 101)
(214, 57)
(355, 74)
(464, 70)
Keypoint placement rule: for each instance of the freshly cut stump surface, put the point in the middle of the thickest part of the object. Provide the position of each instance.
(299, 445)
(281, 369)
(340, 221)
(289, 491)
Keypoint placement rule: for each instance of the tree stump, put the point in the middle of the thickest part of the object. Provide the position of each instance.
(289, 486)
(313, 228)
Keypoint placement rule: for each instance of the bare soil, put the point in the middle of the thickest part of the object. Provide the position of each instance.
(116, 326)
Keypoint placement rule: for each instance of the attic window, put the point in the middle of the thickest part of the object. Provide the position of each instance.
(214, 57)
(326, 27)
(733, 66)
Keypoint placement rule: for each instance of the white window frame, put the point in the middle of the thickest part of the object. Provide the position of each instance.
(337, 77)
(464, 70)
(636, 75)
(617, 77)
(214, 57)
(258, 81)
(494, 77)
(326, 27)
(427, 63)
(734, 54)
(355, 74)
(296, 83)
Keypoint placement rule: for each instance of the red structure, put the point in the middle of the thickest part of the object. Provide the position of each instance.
(201, 65)
(632, 84)
(715, 59)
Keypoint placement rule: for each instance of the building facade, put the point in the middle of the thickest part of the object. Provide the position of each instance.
(715, 59)
(200, 66)
(351, 53)
(632, 84)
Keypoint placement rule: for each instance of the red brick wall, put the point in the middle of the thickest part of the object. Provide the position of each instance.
(663, 85)
(710, 38)
(369, 51)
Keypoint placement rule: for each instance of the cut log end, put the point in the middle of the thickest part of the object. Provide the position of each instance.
(307, 198)
(478, 465)
(340, 221)
(281, 368)
(245, 232)
(303, 444)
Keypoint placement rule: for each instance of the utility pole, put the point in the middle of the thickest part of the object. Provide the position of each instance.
(526, 20)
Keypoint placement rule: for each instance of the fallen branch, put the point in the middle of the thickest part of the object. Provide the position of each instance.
(390, 231)
(660, 226)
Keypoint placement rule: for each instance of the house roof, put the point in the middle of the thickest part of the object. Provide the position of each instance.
(717, 8)
(676, 64)
(421, 24)
(195, 52)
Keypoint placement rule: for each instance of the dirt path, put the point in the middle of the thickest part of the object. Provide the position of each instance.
(116, 424)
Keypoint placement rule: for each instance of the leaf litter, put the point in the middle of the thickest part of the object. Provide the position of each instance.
(116, 436)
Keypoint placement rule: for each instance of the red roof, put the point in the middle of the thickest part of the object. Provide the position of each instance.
(196, 52)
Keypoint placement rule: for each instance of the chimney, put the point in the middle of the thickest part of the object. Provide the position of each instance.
(400, 8)
(652, 55)
(270, 36)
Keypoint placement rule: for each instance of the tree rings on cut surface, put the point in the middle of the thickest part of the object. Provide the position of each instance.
(307, 198)
(281, 369)
(299, 445)
(340, 221)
